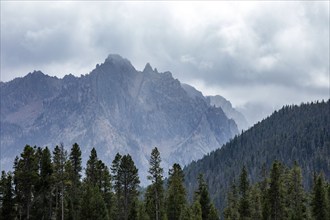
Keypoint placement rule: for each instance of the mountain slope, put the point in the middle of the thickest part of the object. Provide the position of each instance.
(294, 133)
(225, 105)
(115, 108)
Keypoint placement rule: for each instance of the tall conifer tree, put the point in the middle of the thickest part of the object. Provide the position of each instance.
(156, 177)
(74, 169)
(244, 202)
(319, 206)
(176, 198)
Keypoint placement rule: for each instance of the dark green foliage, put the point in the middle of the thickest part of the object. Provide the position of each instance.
(231, 211)
(126, 181)
(176, 195)
(203, 197)
(275, 192)
(196, 211)
(319, 206)
(294, 133)
(104, 184)
(186, 213)
(25, 179)
(255, 203)
(7, 203)
(117, 187)
(91, 169)
(42, 205)
(60, 177)
(296, 195)
(134, 210)
(93, 205)
(73, 169)
(213, 213)
(142, 214)
(155, 198)
(244, 202)
(285, 197)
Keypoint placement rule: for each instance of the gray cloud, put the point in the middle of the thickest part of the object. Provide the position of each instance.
(274, 53)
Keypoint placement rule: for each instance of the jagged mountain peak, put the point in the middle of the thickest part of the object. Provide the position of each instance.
(116, 63)
(147, 68)
(115, 108)
(36, 73)
(117, 59)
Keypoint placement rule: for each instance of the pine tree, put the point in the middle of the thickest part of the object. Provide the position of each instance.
(202, 195)
(319, 207)
(156, 177)
(116, 184)
(98, 175)
(91, 168)
(42, 206)
(104, 184)
(296, 195)
(231, 211)
(128, 181)
(142, 214)
(196, 211)
(264, 187)
(7, 203)
(25, 178)
(176, 198)
(134, 210)
(213, 213)
(275, 193)
(255, 203)
(60, 177)
(92, 204)
(244, 203)
(186, 213)
(73, 169)
(149, 201)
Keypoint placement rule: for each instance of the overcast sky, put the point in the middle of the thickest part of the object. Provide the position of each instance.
(259, 55)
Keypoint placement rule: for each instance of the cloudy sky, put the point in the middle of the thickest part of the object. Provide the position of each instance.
(259, 55)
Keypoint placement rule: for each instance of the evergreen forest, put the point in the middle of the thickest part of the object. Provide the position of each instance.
(51, 185)
(295, 133)
(278, 169)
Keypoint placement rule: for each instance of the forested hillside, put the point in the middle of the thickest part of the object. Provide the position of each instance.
(294, 133)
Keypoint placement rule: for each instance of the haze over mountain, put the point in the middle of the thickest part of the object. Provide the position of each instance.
(226, 106)
(115, 108)
(220, 102)
(260, 55)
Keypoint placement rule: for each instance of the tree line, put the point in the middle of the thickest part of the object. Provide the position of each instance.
(51, 185)
(279, 195)
(45, 185)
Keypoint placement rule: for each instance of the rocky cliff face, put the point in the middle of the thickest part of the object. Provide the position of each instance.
(115, 108)
(226, 106)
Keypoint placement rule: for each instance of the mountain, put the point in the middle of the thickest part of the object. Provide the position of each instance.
(230, 112)
(294, 133)
(220, 102)
(114, 108)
